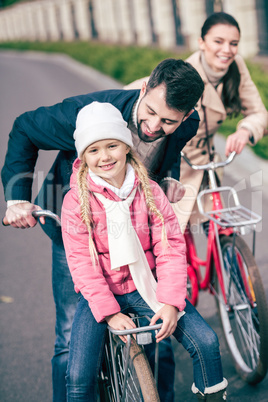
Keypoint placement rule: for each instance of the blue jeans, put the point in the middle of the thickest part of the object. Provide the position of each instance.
(66, 302)
(87, 340)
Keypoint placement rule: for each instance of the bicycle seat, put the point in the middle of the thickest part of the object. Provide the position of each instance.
(173, 189)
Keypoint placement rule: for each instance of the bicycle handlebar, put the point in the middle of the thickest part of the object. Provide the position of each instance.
(37, 214)
(211, 165)
(47, 214)
(134, 330)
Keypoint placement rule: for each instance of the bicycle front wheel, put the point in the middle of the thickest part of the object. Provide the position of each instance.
(137, 375)
(245, 317)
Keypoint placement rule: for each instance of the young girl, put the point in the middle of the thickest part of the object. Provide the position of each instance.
(120, 232)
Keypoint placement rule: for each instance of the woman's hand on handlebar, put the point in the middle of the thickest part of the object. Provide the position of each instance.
(20, 215)
(237, 141)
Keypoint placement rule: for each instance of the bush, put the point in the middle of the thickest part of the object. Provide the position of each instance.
(6, 3)
(124, 63)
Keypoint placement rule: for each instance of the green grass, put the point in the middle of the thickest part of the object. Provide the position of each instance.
(128, 63)
(124, 63)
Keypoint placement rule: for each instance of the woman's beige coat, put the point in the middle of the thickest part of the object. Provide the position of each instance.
(256, 120)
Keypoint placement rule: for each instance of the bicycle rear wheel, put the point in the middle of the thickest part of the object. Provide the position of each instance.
(140, 383)
(245, 318)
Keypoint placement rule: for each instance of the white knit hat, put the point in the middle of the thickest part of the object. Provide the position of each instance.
(100, 121)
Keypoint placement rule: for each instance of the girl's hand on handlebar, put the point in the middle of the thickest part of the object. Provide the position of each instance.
(237, 141)
(20, 215)
(120, 321)
(169, 315)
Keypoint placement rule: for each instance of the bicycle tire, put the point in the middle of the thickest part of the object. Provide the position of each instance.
(141, 384)
(245, 322)
(192, 286)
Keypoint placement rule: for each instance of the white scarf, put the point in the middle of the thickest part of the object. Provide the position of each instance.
(214, 77)
(125, 249)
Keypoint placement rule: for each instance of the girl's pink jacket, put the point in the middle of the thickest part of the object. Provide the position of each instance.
(98, 284)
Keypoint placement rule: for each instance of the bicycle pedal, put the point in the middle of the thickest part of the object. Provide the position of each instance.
(144, 338)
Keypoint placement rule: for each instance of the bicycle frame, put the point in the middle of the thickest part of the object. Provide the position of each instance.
(222, 221)
(212, 254)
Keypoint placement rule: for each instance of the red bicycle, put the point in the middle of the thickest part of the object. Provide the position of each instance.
(231, 275)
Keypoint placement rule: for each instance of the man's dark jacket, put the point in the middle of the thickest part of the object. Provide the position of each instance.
(52, 128)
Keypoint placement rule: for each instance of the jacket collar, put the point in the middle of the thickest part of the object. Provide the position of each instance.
(106, 191)
(125, 189)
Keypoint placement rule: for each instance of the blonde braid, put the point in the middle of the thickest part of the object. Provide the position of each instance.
(86, 213)
(145, 184)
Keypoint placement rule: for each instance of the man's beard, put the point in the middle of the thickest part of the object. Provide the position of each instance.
(146, 138)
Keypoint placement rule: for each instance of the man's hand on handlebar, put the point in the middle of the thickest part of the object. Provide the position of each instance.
(20, 215)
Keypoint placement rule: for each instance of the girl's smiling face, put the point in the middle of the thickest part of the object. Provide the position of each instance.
(107, 159)
(220, 46)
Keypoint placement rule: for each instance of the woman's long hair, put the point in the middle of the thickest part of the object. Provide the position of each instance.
(87, 213)
(231, 80)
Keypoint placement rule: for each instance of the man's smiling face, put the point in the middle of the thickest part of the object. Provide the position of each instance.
(155, 118)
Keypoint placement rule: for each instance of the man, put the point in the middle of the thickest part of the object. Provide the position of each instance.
(162, 107)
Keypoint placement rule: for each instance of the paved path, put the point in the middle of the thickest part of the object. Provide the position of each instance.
(27, 321)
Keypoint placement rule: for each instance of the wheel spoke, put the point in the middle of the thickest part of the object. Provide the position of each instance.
(132, 392)
(139, 382)
(249, 339)
(245, 317)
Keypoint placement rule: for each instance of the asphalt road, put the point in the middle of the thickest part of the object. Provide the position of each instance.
(26, 305)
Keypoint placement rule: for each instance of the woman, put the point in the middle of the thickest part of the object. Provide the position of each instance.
(228, 91)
